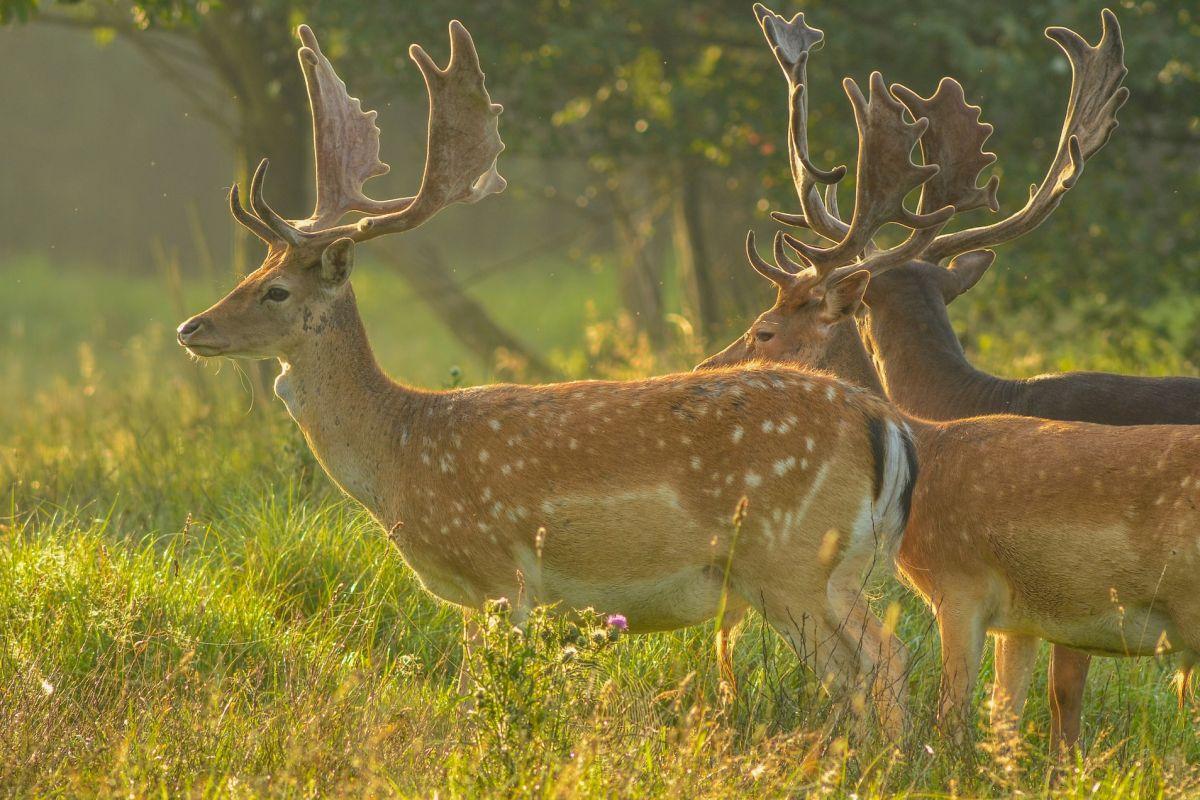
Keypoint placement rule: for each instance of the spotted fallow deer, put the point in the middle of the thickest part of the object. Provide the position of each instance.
(917, 357)
(1085, 535)
(611, 495)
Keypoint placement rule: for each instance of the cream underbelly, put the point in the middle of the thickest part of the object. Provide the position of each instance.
(672, 600)
(1128, 631)
(639, 553)
(667, 601)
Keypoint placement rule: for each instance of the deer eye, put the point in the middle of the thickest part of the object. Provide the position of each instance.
(764, 336)
(277, 294)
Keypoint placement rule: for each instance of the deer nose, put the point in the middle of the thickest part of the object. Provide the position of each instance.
(184, 331)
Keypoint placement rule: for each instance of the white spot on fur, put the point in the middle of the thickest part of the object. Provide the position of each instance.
(809, 443)
(696, 463)
(483, 456)
(494, 424)
(785, 465)
(753, 479)
(737, 434)
(768, 426)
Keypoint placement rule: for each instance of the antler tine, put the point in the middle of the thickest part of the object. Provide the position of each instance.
(278, 225)
(772, 272)
(885, 175)
(1091, 116)
(954, 141)
(782, 259)
(249, 221)
(791, 41)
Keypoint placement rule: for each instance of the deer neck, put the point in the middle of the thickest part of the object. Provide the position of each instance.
(352, 415)
(848, 359)
(919, 359)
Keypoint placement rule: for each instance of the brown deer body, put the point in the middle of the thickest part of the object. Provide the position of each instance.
(975, 549)
(1024, 528)
(612, 495)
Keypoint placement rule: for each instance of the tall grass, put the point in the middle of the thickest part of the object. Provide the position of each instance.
(188, 608)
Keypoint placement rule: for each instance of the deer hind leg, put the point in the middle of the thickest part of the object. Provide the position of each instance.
(963, 632)
(1183, 678)
(881, 656)
(1016, 656)
(1068, 676)
(735, 612)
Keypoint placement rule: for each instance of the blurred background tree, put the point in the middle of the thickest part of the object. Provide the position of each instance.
(653, 131)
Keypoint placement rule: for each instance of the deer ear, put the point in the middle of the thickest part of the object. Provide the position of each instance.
(843, 298)
(968, 268)
(337, 261)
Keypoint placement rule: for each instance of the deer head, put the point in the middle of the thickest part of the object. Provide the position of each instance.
(294, 293)
(820, 286)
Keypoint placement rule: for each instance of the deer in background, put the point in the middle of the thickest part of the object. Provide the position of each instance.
(919, 360)
(632, 483)
(1010, 532)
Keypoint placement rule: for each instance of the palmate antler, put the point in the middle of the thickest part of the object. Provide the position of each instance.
(463, 144)
(885, 172)
(1091, 116)
(791, 41)
(952, 138)
(954, 141)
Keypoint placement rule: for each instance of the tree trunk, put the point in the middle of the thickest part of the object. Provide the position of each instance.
(691, 253)
(467, 320)
(639, 279)
(712, 292)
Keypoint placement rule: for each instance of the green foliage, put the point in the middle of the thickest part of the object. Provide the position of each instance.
(521, 675)
(646, 93)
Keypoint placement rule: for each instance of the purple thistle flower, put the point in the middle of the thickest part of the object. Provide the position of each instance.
(617, 621)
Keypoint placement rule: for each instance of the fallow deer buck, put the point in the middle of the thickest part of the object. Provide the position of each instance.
(1086, 535)
(919, 360)
(611, 495)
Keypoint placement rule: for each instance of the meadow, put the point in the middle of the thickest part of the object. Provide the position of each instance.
(189, 608)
